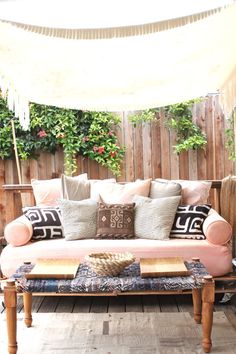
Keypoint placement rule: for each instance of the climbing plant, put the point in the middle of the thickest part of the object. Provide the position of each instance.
(77, 132)
(178, 119)
(230, 137)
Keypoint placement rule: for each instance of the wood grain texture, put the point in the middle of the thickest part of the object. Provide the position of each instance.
(159, 267)
(149, 153)
(54, 268)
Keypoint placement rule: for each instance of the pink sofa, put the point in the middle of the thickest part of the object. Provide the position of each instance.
(214, 251)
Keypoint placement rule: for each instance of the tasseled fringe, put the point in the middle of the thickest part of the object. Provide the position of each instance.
(118, 32)
(16, 103)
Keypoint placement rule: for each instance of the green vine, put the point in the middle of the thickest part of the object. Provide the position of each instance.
(188, 135)
(77, 132)
(230, 138)
(178, 119)
(147, 115)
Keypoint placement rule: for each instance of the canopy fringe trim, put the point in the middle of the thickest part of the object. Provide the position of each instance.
(16, 103)
(117, 32)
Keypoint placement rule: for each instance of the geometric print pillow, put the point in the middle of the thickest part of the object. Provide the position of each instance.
(115, 221)
(46, 222)
(188, 221)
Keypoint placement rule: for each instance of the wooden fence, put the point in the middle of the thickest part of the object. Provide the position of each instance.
(149, 153)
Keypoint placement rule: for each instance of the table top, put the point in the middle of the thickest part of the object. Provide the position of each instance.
(129, 280)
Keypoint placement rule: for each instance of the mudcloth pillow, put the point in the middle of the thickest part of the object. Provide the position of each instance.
(189, 220)
(46, 222)
(115, 221)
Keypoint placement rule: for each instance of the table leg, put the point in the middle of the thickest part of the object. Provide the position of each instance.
(208, 297)
(197, 305)
(10, 301)
(27, 298)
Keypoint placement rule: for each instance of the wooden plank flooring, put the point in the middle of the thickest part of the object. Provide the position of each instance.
(106, 304)
(174, 309)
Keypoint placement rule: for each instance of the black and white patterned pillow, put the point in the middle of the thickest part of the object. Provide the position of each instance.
(46, 222)
(188, 221)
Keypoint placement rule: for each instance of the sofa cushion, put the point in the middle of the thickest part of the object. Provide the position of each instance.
(189, 220)
(161, 188)
(124, 193)
(194, 192)
(46, 222)
(19, 231)
(216, 229)
(75, 188)
(115, 221)
(47, 192)
(216, 258)
(98, 186)
(154, 217)
(78, 218)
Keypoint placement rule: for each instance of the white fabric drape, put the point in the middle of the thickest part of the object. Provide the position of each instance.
(169, 62)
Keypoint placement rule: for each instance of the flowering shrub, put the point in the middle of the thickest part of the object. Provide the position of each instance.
(88, 133)
(99, 143)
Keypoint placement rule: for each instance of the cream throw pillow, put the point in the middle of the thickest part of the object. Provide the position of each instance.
(124, 193)
(161, 188)
(75, 188)
(47, 192)
(79, 218)
(154, 217)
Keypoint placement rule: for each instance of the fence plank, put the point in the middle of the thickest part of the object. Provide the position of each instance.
(149, 153)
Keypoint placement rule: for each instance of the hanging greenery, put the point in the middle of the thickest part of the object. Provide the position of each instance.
(88, 133)
(230, 137)
(179, 119)
(147, 115)
(188, 135)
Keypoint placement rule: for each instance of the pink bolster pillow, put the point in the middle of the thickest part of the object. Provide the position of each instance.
(19, 231)
(216, 229)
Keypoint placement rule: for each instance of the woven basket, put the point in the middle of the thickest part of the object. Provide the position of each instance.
(109, 263)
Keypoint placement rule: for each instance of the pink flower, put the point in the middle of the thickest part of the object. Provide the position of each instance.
(110, 133)
(42, 134)
(101, 149)
(113, 153)
(95, 148)
(85, 138)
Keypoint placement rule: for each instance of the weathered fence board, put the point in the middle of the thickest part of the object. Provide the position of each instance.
(149, 153)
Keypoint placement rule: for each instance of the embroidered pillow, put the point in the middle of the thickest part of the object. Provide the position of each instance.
(46, 222)
(78, 218)
(189, 220)
(154, 217)
(115, 221)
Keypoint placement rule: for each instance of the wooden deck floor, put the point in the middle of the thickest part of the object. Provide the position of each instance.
(105, 304)
(113, 306)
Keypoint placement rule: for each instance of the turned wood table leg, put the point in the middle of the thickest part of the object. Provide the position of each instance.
(197, 305)
(27, 298)
(208, 297)
(10, 301)
(197, 300)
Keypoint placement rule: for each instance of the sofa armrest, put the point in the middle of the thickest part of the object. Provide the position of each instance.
(216, 229)
(19, 231)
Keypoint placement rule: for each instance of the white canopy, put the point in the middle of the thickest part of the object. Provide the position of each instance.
(116, 55)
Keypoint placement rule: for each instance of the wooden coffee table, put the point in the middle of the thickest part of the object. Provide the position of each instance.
(129, 282)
